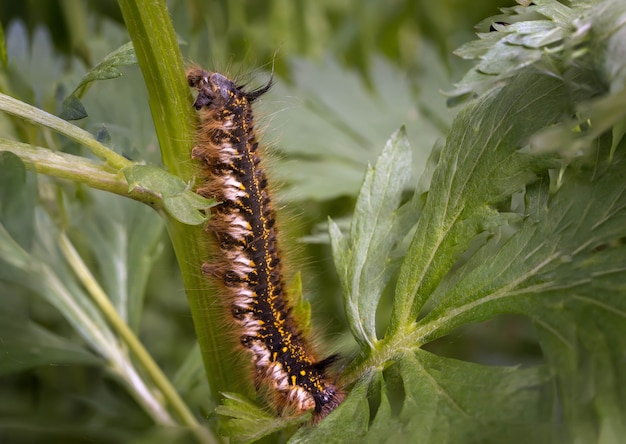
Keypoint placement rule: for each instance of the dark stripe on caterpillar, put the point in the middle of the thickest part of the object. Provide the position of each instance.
(248, 264)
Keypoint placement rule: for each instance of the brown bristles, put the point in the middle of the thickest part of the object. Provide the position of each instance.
(248, 264)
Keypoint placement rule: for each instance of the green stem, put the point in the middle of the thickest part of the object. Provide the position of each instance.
(35, 115)
(125, 333)
(78, 169)
(406, 339)
(161, 62)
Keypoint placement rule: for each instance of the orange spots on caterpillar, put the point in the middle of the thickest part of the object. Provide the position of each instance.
(248, 264)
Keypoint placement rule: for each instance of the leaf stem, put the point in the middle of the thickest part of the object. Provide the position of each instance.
(158, 54)
(35, 115)
(143, 357)
(78, 169)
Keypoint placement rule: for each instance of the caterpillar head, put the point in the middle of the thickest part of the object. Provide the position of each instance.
(216, 90)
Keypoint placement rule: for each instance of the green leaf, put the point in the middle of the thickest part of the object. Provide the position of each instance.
(564, 269)
(88, 312)
(106, 69)
(481, 166)
(363, 260)
(244, 421)
(73, 109)
(55, 282)
(559, 261)
(355, 120)
(563, 242)
(424, 398)
(178, 200)
(347, 423)
(573, 137)
(186, 207)
(611, 28)
(17, 199)
(26, 345)
(547, 34)
(126, 243)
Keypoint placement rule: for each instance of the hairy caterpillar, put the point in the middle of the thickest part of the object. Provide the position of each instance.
(248, 263)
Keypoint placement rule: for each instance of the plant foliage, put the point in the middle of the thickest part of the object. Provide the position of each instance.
(521, 211)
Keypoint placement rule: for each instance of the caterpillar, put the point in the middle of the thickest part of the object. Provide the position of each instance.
(248, 262)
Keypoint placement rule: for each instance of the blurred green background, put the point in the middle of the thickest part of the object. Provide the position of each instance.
(348, 74)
